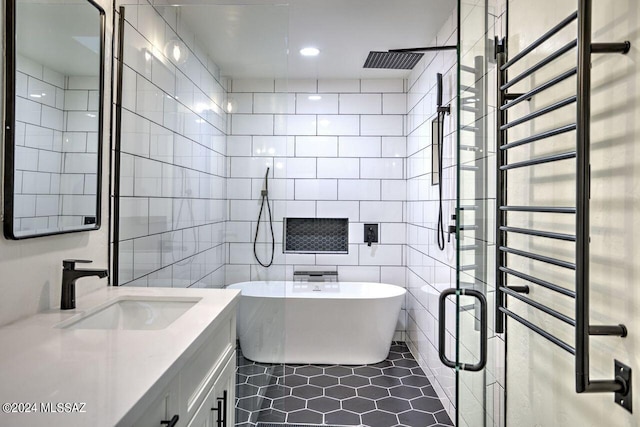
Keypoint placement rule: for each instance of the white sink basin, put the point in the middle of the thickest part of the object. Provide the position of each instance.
(135, 313)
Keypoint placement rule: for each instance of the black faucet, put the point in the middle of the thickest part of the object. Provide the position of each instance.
(69, 277)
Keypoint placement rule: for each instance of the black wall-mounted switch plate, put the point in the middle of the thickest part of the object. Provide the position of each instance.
(371, 233)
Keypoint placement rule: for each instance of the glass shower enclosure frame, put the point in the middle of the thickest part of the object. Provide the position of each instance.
(479, 351)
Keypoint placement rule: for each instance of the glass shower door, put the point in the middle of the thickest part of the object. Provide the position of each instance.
(478, 350)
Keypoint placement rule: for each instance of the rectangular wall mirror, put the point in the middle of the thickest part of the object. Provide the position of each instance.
(53, 116)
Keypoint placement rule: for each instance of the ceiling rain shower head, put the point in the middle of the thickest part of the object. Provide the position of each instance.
(400, 59)
(392, 60)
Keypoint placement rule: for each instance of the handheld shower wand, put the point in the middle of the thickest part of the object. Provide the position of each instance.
(441, 111)
(265, 199)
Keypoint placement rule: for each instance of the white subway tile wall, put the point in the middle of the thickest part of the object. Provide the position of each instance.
(192, 176)
(54, 122)
(174, 166)
(333, 152)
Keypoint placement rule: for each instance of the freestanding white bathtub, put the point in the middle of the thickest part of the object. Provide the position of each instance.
(349, 323)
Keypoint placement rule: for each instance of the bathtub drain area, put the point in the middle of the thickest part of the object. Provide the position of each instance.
(394, 392)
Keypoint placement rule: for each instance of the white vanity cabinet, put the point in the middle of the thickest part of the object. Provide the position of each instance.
(163, 408)
(218, 407)
(202, 393)
(142, 377)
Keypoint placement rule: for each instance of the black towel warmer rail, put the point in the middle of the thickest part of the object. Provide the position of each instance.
(476, 171)
(621, 384)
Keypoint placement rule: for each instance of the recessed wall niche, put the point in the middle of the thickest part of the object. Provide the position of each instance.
(316, 235)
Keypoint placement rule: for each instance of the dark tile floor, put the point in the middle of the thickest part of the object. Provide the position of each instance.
(394, 392)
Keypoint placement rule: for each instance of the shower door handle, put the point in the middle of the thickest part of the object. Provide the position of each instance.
(442, 329)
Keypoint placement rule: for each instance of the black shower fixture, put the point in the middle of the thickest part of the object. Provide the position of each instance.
(392, 60)
(264, 194)
(446, 108)
(370, 234)
(437, 153)
(401, 59)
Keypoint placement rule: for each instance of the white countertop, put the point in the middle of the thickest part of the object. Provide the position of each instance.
(109, 371)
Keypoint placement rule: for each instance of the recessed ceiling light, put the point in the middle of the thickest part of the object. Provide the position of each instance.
(309, 51)
(315, 97)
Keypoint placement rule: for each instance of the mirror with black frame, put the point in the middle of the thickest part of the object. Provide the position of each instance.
(53, 115)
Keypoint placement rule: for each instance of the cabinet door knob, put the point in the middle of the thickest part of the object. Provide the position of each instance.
(172, 422)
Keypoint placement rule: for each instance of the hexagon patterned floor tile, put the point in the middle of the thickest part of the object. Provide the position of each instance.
(392, 393)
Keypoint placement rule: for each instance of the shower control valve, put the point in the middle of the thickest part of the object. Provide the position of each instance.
(452, 228)
(371, 233)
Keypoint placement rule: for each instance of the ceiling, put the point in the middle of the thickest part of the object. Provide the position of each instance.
(252, 40)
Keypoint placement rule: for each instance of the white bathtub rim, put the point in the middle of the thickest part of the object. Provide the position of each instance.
(269, 289)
